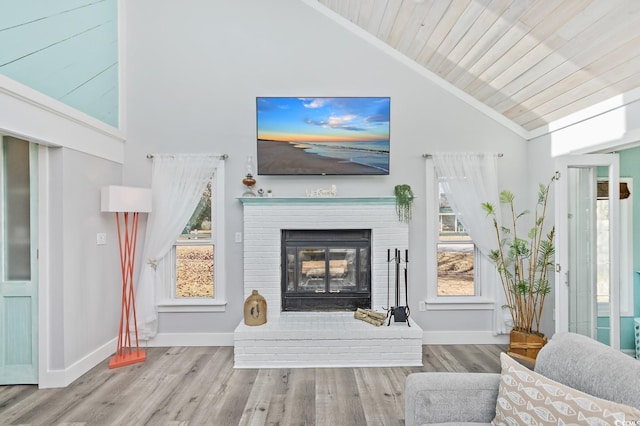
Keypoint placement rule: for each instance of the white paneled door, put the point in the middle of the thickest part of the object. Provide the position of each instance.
(18, 262)
(588, 248)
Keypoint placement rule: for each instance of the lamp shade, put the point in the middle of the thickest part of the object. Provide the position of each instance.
(125, 199)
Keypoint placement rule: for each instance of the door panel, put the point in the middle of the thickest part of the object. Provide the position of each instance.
(582, 253)
(18, 266)
(579, 260)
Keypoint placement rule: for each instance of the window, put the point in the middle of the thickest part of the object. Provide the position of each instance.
(456, 253)
(458, 277)
(193, 254)
(194, 268)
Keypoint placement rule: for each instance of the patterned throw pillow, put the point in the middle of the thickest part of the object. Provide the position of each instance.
(528, 398)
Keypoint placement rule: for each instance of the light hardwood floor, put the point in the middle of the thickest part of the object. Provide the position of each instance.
(199, 386)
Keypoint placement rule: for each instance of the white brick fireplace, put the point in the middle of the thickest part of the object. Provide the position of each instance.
(321, 339)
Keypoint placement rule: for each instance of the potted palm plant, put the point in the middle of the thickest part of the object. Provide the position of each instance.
(523, 264)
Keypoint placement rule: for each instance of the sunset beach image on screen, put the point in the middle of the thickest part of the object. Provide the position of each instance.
(323, 136)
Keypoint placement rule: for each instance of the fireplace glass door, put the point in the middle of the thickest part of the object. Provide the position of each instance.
(326, 270)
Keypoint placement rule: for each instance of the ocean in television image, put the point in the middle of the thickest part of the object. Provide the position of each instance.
(323, 136)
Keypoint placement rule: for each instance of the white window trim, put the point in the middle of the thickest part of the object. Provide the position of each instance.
(484, 300)
(626, 257)
(168, 302)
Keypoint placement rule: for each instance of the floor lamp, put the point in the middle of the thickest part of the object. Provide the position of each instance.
(127, 203)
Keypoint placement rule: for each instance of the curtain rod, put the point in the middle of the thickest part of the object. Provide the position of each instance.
(429, 155)
(222, 156)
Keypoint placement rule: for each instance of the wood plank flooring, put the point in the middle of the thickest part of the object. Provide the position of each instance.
(199, 386)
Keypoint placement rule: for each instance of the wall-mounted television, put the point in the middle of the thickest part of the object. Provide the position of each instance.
(323, 136)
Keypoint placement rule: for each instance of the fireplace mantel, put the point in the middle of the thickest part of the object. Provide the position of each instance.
(317, 200)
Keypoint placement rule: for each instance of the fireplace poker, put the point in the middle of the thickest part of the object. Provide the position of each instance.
(400, 313)
(406, 285)
(397, 277)
(388, 308)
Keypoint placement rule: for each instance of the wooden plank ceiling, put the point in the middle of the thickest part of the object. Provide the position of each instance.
(533, 61)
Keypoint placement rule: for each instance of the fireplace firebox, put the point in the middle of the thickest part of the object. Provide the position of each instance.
(326, 270)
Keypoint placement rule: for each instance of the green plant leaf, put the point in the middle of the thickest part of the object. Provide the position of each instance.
(488, 207)
(542, 193)
(506, 197)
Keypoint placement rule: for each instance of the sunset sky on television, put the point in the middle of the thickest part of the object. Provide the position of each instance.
(341, 119)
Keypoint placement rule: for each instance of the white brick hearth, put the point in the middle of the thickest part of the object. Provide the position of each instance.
(300, 339)
(321, 339)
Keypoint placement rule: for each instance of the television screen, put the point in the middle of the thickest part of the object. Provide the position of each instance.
(323, 136)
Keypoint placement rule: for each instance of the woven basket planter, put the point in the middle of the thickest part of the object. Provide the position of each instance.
(525, 345)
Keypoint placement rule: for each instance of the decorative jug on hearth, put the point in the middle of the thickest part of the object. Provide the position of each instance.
(255, 309)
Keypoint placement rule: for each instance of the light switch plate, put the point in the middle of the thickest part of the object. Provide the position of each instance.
(101, 238)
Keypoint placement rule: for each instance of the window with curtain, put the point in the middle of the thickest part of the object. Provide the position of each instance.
(193, 254)
(183, 251)
(193, 270)
(456, 252)
(459, 276)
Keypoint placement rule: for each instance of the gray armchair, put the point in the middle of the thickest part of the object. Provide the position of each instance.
(574, 360)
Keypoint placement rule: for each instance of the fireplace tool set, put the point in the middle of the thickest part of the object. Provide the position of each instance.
(399, 313)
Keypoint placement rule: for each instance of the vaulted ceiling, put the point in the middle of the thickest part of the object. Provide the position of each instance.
(533, 61)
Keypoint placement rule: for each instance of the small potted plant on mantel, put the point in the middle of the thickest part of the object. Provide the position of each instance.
(523, 265)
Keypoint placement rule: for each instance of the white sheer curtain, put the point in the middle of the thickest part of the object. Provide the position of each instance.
(177, 184)
(468, 180)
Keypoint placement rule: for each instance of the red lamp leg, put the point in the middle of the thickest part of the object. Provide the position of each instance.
(125, 353)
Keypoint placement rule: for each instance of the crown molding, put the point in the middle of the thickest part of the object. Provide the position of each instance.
(36, 117)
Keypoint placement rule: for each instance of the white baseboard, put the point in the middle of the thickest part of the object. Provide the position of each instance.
(190, 339)
(463, 338)
(63, 378)
(227, 339)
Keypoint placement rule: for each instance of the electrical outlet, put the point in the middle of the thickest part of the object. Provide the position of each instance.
(101, 238)
(422, 306)
(238, 237)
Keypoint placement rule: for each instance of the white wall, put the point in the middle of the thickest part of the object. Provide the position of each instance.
(194, 69)
(609, 126)
(92, 284)
(83, 285)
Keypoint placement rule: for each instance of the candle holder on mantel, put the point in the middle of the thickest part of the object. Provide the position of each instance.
(249, 181)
